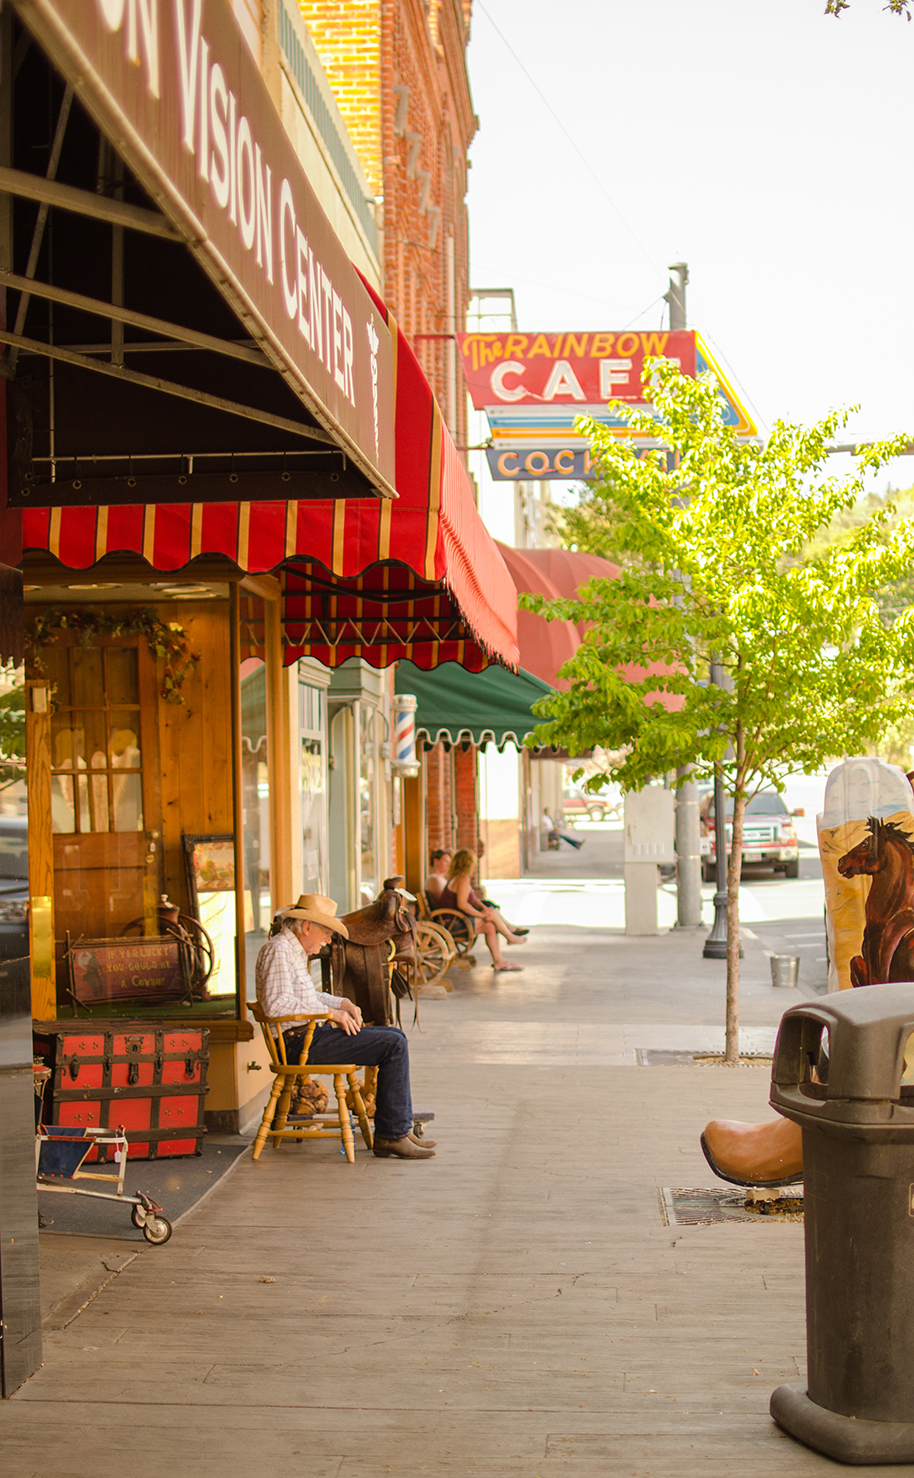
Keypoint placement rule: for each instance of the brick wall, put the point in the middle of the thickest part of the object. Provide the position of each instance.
(466, 801)
(438, 802)
(347, 37)
(413, 149)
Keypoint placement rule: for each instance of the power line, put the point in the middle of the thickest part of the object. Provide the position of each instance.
(586, 163)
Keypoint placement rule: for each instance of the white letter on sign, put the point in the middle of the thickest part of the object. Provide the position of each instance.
(563, 381)
(289, 286)
(503, 391)
(187, 66)
(613, 372)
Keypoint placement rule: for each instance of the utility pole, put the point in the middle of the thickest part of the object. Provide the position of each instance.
(688, 850)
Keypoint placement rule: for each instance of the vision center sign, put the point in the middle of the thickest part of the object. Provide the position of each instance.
(533, 386)
(174, 87)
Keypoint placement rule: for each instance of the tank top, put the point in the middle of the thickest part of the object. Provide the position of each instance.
(449, 899)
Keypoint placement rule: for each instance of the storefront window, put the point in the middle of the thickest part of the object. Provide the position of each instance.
(96, 768)
(311, 718)
(256, 792)
(368, 803)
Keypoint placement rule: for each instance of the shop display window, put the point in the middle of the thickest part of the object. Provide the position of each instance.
(312, 788)
(368, 803)
(255, 776)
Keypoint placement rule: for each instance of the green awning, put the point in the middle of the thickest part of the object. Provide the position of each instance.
(492, 706)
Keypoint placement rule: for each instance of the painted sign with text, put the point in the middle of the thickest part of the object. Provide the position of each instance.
(533, 386)
(567, 368)
(175, 88)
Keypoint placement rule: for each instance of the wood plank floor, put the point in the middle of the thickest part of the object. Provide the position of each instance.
(514, 1308)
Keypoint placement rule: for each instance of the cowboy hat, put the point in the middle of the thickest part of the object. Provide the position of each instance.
(317, 910)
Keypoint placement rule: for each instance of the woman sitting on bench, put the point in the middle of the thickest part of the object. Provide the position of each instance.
(458, 894)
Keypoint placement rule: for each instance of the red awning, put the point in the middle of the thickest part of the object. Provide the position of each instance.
(544, 645)
(419, 577)
(562, 572)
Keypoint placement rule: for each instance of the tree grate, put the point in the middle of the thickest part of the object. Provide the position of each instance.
(651, 1057)
(703, 1208)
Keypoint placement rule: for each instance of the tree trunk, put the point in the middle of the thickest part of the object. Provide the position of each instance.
(734, 871)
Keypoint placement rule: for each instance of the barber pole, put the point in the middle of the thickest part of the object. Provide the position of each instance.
(405, 735)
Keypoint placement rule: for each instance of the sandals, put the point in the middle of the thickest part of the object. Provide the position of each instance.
(508, 965)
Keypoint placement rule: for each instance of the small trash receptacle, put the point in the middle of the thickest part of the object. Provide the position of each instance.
(785, 969)
(839, 1072)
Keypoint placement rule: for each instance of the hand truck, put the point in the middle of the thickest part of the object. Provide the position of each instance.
(61, 1151)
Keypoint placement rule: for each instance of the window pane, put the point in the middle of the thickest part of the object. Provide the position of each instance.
(63, 816)
(256, 792)
(92, 727)
(96, 789)
(127, 793)
(65, 743)
(88, 687)
(123, 675)
(367, 801)
(125, 744)
(55, 661)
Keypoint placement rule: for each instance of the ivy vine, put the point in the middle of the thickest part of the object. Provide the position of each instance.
(167, 641)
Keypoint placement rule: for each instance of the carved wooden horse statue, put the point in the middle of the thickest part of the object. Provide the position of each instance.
(357, 967)
(887, 857)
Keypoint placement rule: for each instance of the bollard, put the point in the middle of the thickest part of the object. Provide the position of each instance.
(839, 1072)
(785, 969)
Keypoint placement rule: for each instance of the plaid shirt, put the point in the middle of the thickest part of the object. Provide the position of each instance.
(284, 985)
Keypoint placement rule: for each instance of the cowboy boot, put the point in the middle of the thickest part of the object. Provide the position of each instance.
(769, 1154)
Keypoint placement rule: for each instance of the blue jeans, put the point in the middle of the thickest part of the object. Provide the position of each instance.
(383, 1047)
(572, 841)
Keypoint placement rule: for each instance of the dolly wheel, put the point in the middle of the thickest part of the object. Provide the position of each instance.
(157, 1230)
(138, 1217)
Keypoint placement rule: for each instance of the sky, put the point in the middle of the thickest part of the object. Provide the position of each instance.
(760, 141)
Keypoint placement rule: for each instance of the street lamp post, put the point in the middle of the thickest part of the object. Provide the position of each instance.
(716, 943)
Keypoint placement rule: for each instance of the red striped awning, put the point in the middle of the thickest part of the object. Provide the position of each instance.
(420, 577)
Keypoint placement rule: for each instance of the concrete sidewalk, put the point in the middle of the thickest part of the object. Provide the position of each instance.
(516, 1306)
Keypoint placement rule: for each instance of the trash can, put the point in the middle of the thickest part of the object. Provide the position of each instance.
(785, 969)
(839, 1072)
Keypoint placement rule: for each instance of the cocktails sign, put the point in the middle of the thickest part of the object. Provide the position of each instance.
(532, 387)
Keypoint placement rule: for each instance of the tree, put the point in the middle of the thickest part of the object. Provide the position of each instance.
(712, 538)
(12, 735)
(897, 7)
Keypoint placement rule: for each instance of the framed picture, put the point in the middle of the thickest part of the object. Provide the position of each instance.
(209, 862)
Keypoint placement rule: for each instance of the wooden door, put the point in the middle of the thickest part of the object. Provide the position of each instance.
(105, 794)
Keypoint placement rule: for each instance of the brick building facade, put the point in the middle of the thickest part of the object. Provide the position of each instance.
(398, 72)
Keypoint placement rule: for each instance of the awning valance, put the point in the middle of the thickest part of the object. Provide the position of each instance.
(481, 707)
(419, 577)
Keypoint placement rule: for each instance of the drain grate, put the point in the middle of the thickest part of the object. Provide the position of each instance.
(703, 1208)
(651, 1057)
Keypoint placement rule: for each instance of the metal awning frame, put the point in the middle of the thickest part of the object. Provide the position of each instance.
(49, 193)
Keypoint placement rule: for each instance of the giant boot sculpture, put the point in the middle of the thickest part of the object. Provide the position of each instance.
(866, 843)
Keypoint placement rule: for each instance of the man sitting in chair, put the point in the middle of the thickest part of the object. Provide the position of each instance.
(285, 988)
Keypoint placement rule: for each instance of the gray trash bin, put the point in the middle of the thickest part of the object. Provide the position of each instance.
(838, 1069)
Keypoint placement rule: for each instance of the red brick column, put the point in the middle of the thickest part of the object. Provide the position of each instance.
(466, 798)
(438, 799)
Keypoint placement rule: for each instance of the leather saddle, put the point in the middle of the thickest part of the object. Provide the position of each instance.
(357, 967)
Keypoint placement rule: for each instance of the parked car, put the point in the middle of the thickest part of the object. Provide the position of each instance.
(768, 834)
(14, 887)
(577, 805)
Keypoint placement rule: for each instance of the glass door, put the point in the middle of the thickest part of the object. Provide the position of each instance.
(104, 794)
